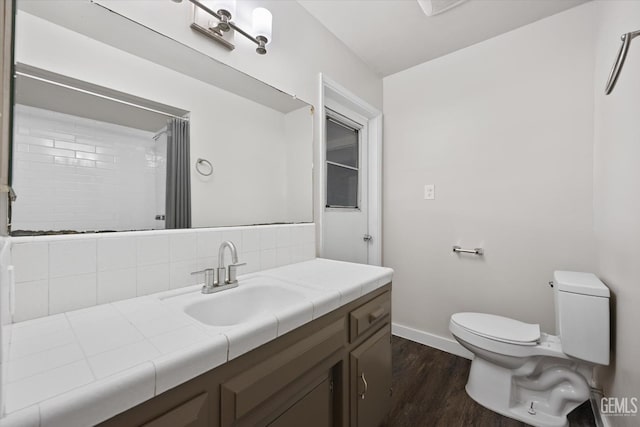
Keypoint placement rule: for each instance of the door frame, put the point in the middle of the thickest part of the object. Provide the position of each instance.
(7, 23)
(329, 89)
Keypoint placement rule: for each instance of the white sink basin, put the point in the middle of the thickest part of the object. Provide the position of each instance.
(250, 300)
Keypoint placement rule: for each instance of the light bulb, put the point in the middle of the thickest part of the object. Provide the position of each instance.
(262, 23)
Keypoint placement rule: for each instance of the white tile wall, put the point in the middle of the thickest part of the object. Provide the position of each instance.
(32, 299)
(88, 173)
(71, 292)
(116, 254)
(31, 262)
(115, 285)
(5, 316)
(71, 258)
(62, 273)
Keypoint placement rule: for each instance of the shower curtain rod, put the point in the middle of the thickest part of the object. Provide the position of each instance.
(99, 95)
(157, 135)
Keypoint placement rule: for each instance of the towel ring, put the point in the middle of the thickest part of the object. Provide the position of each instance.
(205, 162)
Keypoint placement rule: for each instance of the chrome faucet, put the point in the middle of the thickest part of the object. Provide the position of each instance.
(222, 278)
(232, 271)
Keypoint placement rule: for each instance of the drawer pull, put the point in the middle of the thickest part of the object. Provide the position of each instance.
(375, 315)
(366, 386)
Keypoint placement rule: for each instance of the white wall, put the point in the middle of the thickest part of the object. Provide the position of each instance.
(298, 130)
(616, 195)
(301, 46)
(504, 131)
(79, 174)
(245, 141)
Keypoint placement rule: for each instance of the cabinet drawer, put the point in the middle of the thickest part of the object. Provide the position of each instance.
(370, 315)
(192, 413)
(249, 391)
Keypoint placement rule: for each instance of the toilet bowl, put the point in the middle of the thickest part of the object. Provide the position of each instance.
(538, 378)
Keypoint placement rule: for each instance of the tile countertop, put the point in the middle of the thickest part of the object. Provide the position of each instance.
(83, 367)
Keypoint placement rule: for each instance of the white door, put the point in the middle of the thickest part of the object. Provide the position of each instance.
(345, 223)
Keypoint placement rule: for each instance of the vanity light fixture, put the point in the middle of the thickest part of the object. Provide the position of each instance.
(436, 7)
(262, 28)
(223, 12)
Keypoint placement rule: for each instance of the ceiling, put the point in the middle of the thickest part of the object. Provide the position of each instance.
(393, 35)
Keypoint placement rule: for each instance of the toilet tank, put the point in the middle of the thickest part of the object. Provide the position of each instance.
(582, 315)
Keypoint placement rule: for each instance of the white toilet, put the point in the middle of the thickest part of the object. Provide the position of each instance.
(531, 376)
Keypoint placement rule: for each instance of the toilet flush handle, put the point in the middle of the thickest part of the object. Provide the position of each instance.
(551, 283)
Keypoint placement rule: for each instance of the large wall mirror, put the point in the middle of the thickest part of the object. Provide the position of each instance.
(117, 127)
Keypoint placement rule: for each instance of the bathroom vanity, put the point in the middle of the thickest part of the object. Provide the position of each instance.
(109, 326)
(304, 343)
(335, 370)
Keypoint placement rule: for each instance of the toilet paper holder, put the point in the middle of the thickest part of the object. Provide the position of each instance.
(476, 251)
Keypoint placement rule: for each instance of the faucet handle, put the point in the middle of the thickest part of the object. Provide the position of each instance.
(233, 272)
(209, 276)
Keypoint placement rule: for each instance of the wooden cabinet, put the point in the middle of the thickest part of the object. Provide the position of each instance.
(333, 371)
(271, 386)
(371, 380)
(316, 408)
(192, 413)
(369, 316)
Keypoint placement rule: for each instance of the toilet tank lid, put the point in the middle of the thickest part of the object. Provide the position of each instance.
(580, 283)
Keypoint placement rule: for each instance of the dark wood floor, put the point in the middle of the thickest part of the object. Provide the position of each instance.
(428, 390)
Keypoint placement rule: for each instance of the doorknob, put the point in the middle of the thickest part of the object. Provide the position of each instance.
(367, 237)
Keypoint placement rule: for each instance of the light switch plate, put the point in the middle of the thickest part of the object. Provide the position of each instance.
(429, 191)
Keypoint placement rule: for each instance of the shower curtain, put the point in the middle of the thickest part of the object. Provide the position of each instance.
(178, 200)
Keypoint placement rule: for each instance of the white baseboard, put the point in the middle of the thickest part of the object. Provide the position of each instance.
(435, 341)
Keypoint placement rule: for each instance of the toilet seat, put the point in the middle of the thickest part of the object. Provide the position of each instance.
(498, 328)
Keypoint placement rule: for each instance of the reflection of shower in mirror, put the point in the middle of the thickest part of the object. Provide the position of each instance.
(95, 158)
(91, 174)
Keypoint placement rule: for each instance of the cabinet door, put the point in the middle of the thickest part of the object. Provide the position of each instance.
(192, 413)
(371, 380)
(255, 394)
(315, 409)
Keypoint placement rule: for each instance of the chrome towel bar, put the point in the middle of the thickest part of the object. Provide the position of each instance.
(622, 55)
(476, 251)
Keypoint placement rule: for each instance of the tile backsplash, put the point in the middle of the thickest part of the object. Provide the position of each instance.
(5, 316)
(54, 274)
